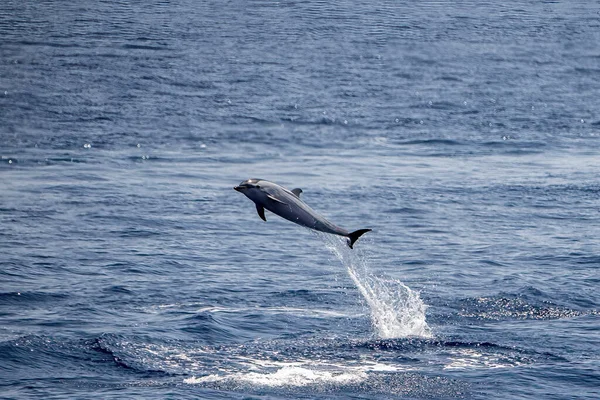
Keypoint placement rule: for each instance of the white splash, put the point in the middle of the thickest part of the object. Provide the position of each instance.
(396, 310)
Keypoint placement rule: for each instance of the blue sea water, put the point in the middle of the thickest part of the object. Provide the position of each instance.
(465, 134)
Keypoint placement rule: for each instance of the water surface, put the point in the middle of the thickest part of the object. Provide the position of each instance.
(465, 134)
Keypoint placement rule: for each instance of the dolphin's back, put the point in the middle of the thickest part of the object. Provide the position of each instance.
(292, 208)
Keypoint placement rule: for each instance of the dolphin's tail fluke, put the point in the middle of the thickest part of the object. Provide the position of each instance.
(353, 237)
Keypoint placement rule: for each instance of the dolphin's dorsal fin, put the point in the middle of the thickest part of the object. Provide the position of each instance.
(297, 192)
(261, 212)
(276, 199)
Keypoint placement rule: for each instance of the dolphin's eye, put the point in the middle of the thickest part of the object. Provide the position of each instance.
(257, 186)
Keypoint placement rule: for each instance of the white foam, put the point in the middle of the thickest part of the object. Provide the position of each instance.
(362, 366)
(285, 376)
(304, 312)
(277, 310)
(472, 359)
(310, 312)
(299, 373)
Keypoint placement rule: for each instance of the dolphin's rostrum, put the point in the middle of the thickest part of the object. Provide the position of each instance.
(287, 204)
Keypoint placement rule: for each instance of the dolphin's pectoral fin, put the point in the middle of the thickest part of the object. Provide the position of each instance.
(276, 199)
(297, 192)
(261, 212)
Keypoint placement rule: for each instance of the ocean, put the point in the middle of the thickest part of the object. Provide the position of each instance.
(465, 134)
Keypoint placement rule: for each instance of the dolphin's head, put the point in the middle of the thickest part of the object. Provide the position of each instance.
(248, 186)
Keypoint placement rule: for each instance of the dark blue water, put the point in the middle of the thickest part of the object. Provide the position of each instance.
(465, 134)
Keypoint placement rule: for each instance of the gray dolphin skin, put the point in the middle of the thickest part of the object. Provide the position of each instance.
(287, 204)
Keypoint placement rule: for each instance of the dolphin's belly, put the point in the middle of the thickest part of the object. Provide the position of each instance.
(303, 215)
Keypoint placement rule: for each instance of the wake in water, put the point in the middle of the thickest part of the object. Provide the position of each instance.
(396, 310)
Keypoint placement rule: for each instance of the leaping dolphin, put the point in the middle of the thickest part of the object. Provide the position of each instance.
(287, 204)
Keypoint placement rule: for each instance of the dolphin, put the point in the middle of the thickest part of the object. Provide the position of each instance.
(287, 204)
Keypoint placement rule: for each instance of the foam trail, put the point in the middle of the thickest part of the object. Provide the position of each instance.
(396, 310)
